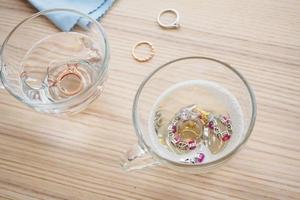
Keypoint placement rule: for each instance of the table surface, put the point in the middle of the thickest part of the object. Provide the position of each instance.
(46, 157)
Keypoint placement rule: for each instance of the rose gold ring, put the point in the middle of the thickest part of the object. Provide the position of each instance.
(145, 58)
(71, 71)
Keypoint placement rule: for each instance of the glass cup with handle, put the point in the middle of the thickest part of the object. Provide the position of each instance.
(55, 71)
(192, 82)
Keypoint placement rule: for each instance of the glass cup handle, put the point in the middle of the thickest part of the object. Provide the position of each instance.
(1, 85)
(137, 158)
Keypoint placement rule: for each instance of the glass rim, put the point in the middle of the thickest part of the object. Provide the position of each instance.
(70, 101)
(139, 133)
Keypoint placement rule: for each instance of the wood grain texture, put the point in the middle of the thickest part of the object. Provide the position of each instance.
(45, 157)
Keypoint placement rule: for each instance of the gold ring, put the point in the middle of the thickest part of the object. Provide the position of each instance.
(146, 58)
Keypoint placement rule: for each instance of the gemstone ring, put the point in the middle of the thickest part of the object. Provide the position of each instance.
(215, 124)
(185, 130)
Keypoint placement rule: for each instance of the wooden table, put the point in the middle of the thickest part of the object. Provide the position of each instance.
(46, 157)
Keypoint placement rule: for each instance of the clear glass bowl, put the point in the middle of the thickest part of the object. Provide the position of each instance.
(205, 70)
(55, 71)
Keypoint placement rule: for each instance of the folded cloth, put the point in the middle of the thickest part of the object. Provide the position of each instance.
(66, 21)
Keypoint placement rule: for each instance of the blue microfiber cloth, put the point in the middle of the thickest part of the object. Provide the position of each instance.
(66, 21)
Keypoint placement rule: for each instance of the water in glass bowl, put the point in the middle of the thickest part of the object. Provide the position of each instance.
(195, 122)
(59, 67)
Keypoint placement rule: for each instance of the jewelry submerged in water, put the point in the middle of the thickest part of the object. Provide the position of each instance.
(193, 128)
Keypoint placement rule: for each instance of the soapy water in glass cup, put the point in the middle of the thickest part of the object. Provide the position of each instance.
(59, 67)
(207, 95)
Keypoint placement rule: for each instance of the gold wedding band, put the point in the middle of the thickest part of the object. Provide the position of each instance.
(146, 58)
